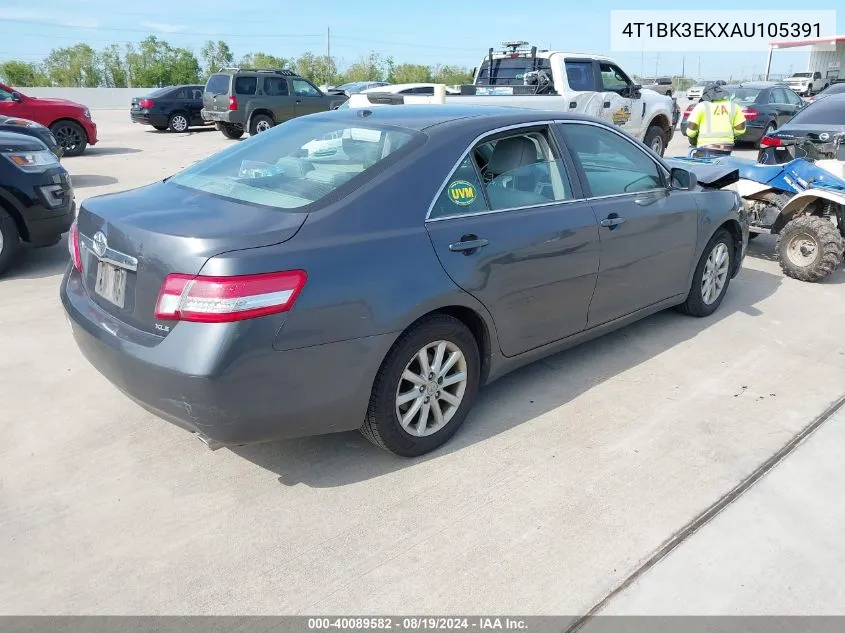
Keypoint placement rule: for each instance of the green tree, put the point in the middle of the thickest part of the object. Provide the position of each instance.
(215, 55)
(157, 63)
(263, 60)
(373, 67)
(23, 74)
(115, 72)
(74, 66)
(317, 68)
(452, 75)
(409, 74)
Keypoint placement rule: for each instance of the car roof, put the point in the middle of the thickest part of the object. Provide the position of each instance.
(760, 85)
(421, 117)
(398, 87)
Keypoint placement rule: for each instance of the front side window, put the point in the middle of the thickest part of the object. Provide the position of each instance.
(5, 95)
(303, 88)
(612, 79)
(298, 163)
(612, 164)
(246, 85)
(793, 98)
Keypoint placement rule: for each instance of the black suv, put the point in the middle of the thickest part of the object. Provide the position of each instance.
(239, 99)
(36, 197)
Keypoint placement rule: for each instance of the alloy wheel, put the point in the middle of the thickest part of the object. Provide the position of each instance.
(68, 137)
(180, 123)
(715, 273)
(262, 126)
(431, 388)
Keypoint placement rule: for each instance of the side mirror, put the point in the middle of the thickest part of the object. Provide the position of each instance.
(635, 91)
(16, 96)
(682, 179)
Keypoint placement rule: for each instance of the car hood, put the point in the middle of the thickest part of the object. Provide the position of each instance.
(707, 174)
(19, 142)
(55, 102)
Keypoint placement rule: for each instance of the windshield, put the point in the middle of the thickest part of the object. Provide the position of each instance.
(802, 75)
(821, 112)
(742, 95)
(509, 71)
(298, 162)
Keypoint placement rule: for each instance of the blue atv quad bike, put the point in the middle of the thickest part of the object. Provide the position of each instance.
(802, 201)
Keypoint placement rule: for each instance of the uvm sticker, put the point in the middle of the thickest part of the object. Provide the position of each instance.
(462, 192)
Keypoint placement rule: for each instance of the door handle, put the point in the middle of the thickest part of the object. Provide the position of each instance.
(468, 244)
(299, 100)
(606, 104)
(612, 221)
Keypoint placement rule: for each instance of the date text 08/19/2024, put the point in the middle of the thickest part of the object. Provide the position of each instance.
(417, 623)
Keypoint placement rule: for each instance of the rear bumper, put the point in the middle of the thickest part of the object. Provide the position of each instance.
(206, 377)
(148, 119)
(230, 116)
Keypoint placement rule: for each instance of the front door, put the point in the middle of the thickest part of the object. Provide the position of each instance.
(510, 229)
(8, 105)
(308, 98)
(648, 231)
(618, 104)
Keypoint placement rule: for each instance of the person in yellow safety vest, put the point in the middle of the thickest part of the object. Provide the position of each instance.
(716, 121)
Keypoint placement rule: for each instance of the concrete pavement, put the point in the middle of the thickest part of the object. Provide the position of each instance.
(568, 475)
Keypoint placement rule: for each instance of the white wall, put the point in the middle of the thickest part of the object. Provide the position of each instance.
(94, 98)
(823, 59)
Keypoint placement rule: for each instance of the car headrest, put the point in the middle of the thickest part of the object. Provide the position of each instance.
(512, 153)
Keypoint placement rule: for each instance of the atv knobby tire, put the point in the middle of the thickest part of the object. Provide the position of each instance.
(829, 247)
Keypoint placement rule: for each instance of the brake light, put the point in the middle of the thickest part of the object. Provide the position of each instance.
(750, 115)
(146, 103)
(225, 299)
(688, 111)
(770, 141)
(233, 102)
(73, 246)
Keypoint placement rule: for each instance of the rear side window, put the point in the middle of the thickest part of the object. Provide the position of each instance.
(300, 163)
(218, 84)
(580, 75)
(463, 193)
(246, 85)
(275, 86)
(182, 93)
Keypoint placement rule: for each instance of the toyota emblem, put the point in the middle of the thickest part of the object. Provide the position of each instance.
(824, 136)
(100, 243)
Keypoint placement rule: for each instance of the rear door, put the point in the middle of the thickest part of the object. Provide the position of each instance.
(648, 231)
(308, 98)
(193, 104)
(511, 229)
(779, 100)
(216, 95)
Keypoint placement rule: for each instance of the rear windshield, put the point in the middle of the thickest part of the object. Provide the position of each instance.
(821, 112)
(743, 95)
(299, 162)
(218, 84)
(509, 71)
(834, 89)
(161, 92)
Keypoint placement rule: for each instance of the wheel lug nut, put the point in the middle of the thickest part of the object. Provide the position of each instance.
(440, 381)
(426, 400)
(422, 388)
(430, 376)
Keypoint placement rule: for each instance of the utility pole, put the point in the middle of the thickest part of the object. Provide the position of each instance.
(699, 67)
(683, 66)
(656, 64)
(328, 55)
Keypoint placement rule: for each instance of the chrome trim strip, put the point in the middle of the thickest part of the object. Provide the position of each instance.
(111, 256)
(491, 211)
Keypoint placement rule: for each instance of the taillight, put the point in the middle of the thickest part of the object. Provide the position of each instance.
(688, 111)
(146, 103)
(770, 141)
(73, 246)
(750, 115)
(233, 102)
(223, 299)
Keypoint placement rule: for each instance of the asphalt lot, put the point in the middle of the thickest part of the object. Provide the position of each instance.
(567, 476)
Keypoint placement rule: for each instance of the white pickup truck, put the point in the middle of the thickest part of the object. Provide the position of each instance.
(806, 84)
(573, 83)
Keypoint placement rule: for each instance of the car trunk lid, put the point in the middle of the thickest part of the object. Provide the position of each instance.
(134, 239)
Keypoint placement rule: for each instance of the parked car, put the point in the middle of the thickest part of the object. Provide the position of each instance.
(412, 89)
(31, 128)
(663, 85)
(69, 122)
(377, 284)
(239, 99)
(820, 121)
(696, 91)
(806, 84)
(176, 108)
(36, 196)
(354, 87)
(766, 105)
(837, 87)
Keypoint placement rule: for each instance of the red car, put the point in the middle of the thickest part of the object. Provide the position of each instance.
(69, 122)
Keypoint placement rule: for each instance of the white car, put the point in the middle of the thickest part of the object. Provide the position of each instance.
(411, 89)
(695, 92)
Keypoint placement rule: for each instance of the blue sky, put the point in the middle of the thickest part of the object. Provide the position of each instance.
(436, 31)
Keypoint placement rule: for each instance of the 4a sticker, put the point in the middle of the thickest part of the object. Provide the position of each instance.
(462, 192)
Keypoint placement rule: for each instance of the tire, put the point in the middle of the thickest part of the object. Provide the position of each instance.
(382, 425)
(700, 301)
(809, 248)
(70, 136)
(655, 139)
(178, 122)
(231, 131)
(10, 241)
(160, 128)
(771, 127)
(260, 123)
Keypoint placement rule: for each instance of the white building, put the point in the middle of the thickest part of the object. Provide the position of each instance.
(827, 55)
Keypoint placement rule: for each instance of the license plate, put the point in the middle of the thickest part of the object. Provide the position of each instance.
(111, 283)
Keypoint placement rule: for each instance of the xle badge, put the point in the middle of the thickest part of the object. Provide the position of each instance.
(462, 192)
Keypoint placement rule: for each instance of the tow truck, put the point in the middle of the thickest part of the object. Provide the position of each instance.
(582, 83)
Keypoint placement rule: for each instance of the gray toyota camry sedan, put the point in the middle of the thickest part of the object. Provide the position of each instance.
(371, 268)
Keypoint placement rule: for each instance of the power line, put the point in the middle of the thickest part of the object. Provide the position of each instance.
(153, 30)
